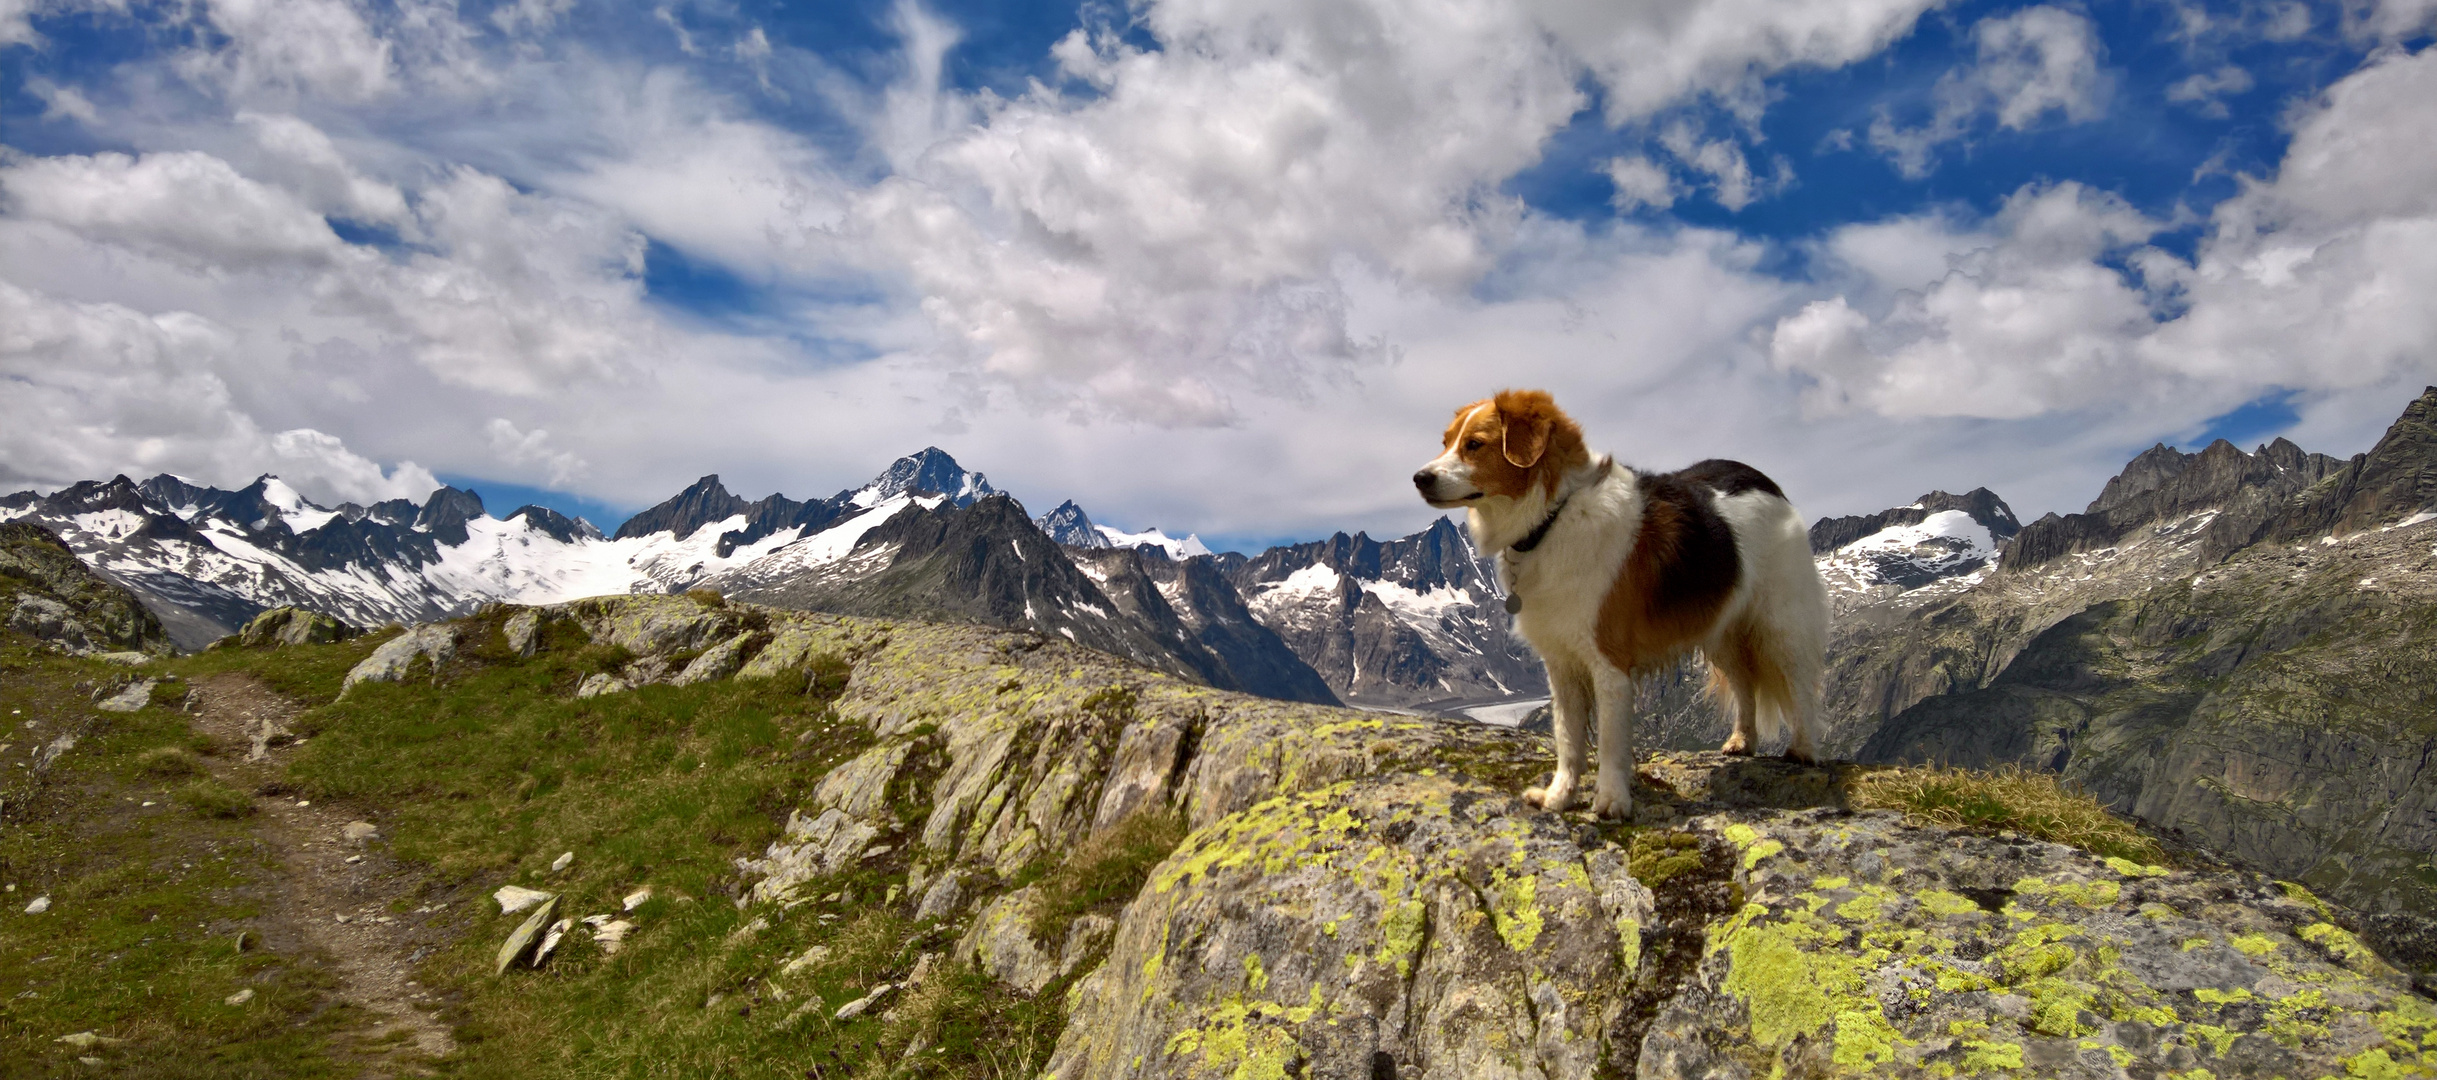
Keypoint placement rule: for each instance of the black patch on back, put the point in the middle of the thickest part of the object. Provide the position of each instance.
(1700, 567)
(1728, 477)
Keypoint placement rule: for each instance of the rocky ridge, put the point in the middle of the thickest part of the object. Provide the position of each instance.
(48, 594)
(1363, 894)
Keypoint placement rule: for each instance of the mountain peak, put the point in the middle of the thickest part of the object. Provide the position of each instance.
(929, 470)
(701, 503)
(1069, 525)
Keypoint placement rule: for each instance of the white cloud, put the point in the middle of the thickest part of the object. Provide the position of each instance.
(1640, 182)
(2029, 64)
(1730, 176)
(532, 449)
(2313, 281)
(59, 102)
(100, 389)
(309, 164)
(2202, 90)
(324, 48)
(189, 207)
(1158, 249)
(529, 15)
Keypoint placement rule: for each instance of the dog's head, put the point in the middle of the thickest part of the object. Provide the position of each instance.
(1500, 448)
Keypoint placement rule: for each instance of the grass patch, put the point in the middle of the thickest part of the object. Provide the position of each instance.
(211, 798)
(1106, 871)
(146, 901)
(2008, 798)
(169, 763)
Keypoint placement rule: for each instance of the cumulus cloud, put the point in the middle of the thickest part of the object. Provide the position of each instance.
(2313, 281)
(100, 389)
(531, 449)
(186, 206)
(1640, 182)
(2031, 63)
(1158, 248)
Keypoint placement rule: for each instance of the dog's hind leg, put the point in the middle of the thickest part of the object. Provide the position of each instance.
(1570, 706)
(1613, 691)
(1732, 673)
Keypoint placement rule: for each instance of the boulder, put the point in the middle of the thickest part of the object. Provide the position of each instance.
(391, 662)
(292, 626)
(137, 695)
(810, 848)
(523, 632)
(717, 662)
(1000, 943)
(1434, 925)
(357, 832)
(599, 683)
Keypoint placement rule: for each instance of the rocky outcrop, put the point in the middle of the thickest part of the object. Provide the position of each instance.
(292, 626)
(432, 643)
(46, 593)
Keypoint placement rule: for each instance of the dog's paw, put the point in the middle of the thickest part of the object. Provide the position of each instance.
(1801, 755)
(1738, 745)
(1535, 796)
(1612, 805)
(1559, 795)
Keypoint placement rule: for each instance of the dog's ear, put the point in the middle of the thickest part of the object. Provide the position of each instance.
(1528, 416)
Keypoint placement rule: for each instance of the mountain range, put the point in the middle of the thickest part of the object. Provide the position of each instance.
(2231, 644)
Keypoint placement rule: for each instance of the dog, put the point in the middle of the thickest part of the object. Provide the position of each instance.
(1612, 574)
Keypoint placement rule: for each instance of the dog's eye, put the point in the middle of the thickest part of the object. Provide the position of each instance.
(1475, 444)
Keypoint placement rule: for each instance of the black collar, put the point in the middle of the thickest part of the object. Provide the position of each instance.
(1533, 539)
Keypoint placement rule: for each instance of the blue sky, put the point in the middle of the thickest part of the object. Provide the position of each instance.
(1219, 267)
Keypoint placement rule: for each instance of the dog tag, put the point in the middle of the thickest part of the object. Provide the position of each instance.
(1514, 604)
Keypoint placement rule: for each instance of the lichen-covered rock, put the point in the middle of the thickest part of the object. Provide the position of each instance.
(599, 683)
(292, 626)
(523, 632)
(717, 662)
(1001, 943)
(860, 787)
(1869, 946)
(47, 593)
(395, 659)
(1411, 920)
(811, 848)
(654, 625)
(1429, 926)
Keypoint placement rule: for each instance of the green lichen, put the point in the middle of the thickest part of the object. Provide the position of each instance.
(1513, 909)
(1941, 903)
(2253, 944)
(1979, 1056)
(1400, 936)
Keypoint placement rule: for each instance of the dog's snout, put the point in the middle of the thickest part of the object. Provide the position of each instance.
(1421, 479)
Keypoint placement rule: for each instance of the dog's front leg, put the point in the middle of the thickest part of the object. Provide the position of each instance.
(1613, 798)
(1570, 707)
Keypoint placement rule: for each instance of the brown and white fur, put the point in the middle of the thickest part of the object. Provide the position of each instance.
(1634, 570)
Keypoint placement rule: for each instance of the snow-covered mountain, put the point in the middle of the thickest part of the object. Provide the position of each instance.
(1186, 548)
(1940, 541)
(1069, 525)
(205, 560)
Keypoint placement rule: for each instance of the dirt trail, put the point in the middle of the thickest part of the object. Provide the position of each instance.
(339, 890)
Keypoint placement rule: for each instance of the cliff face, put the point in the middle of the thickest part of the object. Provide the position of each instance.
(1363, 895)
(2231, 646)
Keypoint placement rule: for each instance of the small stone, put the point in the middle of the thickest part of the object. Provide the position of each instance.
(137, 695)
(341, 918)
(564, 860)
(810, 957)
(636, 898)
(240, 997)
(41, 904)
(86, 1040)
(558, 930)
(245, 940)
(148, 802)
(302, 803)
(515, 898)
(358, 831)
(860, 1005)
(355, 858)
(525, 938)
